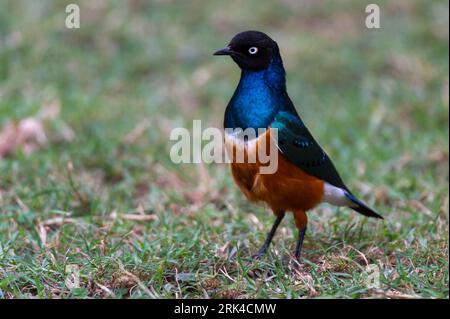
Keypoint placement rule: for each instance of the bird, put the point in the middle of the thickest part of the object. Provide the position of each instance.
(305, 176)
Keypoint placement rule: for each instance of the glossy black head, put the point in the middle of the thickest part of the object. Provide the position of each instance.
(251, 50)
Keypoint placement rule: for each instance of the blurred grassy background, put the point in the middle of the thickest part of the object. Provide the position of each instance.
(141, 226)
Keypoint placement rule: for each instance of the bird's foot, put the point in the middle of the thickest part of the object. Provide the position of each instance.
(260, 253)
(257, 256)
(295, 261)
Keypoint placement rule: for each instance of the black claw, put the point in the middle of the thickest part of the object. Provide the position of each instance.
(261, 252)
(258, 255)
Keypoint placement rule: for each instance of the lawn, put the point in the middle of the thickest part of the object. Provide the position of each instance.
(103, 195)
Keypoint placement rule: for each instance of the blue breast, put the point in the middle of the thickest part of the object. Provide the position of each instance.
(258, 97)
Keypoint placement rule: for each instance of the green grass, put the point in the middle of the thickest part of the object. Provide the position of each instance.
(377, 100)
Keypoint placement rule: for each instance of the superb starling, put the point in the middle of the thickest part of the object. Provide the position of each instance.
(305, 176)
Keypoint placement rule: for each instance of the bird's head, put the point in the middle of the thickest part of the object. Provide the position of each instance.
(251, 50)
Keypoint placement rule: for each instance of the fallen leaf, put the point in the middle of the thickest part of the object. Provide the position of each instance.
(28, 135)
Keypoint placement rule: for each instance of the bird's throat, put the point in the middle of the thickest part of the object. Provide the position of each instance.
(257, 98)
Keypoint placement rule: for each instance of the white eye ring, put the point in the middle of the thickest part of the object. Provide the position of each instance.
(253, 50)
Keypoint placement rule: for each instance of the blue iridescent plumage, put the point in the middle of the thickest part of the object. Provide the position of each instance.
(258, 97)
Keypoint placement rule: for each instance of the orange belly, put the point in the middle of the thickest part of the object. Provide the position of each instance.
(289, 188)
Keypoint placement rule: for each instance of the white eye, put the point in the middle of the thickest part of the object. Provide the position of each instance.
(253, 50)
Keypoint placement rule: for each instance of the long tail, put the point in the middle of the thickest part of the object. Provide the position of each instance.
(361, 207)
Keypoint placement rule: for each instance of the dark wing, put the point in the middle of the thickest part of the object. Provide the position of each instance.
(296, 143)
(298, 146)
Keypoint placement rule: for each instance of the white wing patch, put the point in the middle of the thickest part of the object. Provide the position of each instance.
(335, 196)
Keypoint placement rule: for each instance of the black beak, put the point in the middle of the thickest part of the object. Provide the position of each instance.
(224, 51)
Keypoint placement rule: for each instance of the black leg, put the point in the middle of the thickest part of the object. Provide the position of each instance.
(298, 246)
(268, 240)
